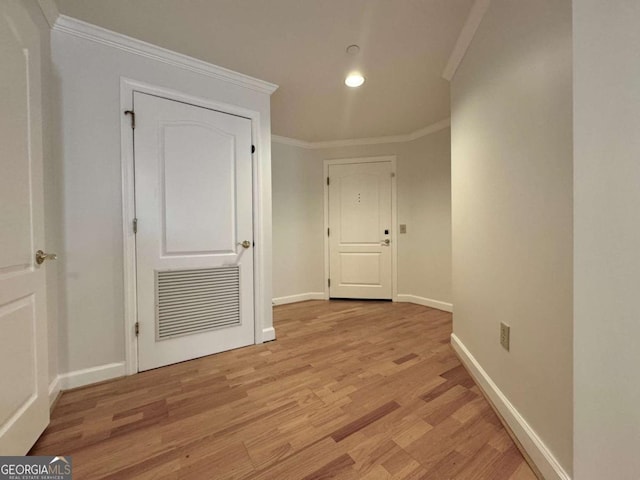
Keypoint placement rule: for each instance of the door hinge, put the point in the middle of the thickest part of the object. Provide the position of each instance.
(328, 181)
(137, 329)
(328, 282)
(135, 225)
(253, 149)
(133, 117)
(328, 232)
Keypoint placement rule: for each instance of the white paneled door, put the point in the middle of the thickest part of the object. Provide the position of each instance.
(24, 405)
(360, 230)
(194, 241)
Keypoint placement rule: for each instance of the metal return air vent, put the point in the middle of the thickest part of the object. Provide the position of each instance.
(195, 301)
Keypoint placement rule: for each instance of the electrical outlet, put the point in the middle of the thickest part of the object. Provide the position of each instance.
(505, 332)
(403, 228)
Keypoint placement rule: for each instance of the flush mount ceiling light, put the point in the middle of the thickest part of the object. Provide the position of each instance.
(354, 79)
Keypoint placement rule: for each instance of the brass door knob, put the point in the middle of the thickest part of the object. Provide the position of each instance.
(41, 257)
(245, 244)
(385, 242)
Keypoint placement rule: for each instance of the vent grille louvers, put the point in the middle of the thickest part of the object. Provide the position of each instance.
(195, 301)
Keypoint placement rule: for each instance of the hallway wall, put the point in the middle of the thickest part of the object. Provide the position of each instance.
(297, 191)
(424, 205)
(512, 191)
(607, 239)
(87, 75)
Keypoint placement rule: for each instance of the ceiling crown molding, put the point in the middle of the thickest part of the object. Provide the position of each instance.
(50, 11)
(88, 31)
(465, 38)
(436, 127)
(291, 141)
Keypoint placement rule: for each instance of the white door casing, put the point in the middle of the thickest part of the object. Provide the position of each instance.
(361, 231)
(24, 403)
(193, 191)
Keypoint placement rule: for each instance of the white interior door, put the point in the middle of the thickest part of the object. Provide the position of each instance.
(193, 190)
(360, 230)
(24, 406)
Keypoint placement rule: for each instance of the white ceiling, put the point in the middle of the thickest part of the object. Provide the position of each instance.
(300, 45)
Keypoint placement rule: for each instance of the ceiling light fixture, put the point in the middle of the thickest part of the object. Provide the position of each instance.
(354, 79)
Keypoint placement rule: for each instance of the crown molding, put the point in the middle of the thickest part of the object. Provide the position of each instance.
(50, 11)
(478, 9)
(88, 31)
(291, 141)
(428, 130)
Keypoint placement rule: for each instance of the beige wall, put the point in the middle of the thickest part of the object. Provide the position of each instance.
(607, 239)
(512, 210)
(424, 205)
(297, 191)
(88, 119)
(424, 202)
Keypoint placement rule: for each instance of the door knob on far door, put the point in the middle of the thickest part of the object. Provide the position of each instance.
(41, 257)
(245, 244)
(385, 242)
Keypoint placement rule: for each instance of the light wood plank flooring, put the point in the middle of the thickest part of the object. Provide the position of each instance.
(368, 390)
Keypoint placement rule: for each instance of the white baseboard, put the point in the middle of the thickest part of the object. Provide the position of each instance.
(301, 297)
(427, 302)
(268, 334)
(80, 378)
(54, 390)
(533, 445)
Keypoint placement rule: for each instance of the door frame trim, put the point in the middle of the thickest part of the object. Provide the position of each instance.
(128, 86)
(394, 216)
